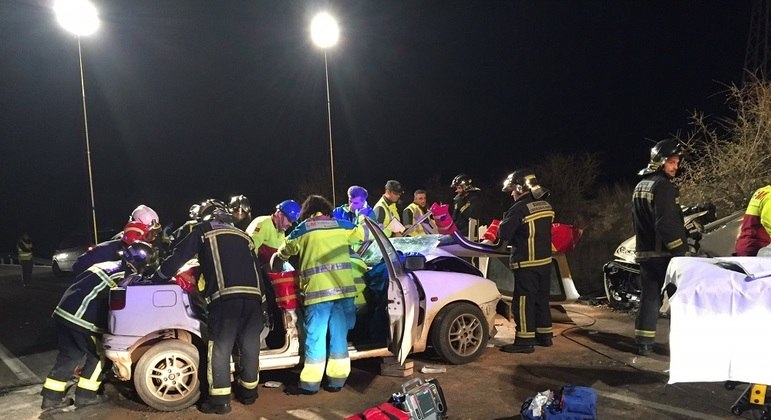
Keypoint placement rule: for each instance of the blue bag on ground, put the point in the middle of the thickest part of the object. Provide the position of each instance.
(576, 403)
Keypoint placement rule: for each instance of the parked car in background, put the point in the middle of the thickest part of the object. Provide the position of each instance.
(70, 248)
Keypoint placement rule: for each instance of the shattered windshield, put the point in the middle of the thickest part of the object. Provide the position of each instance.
(420, 244)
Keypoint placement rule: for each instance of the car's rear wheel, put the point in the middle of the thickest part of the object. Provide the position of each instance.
(459, 333)
(57, 271)
(166, 376)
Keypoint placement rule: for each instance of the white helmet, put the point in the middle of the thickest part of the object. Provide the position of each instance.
(145, 215)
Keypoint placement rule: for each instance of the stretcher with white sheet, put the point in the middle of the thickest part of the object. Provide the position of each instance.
(720, 317)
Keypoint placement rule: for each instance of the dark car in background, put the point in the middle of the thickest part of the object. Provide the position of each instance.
(70, 248)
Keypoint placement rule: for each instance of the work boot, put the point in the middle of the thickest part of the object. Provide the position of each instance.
(246, 399)
(330, 388)
(518, 348)
(210, 408)
(54, 403)
(645, 349)
(296, 390)
(544, 342)
(86, 401)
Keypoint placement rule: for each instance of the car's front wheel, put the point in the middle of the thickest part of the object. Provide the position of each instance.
(459, 333)
(166, 376)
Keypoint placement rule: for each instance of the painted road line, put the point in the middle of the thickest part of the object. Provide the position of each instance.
(18, 367)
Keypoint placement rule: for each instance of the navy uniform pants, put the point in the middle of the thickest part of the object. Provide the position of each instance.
(74, 345)
(652, 274)
(531, 304)
(237, 320)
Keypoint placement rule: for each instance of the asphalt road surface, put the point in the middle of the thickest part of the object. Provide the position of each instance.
(592, 347)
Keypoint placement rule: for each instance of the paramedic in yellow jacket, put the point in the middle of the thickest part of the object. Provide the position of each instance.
(385, 208)
(328, 290)
(267, 232)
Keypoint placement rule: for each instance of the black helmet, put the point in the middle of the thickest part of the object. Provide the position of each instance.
(660, 153)
(239, 203)
(523, 181)
(213, 209)
(461, 180)
(139, 258)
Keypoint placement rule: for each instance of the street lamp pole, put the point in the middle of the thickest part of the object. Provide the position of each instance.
(88, 144)
(80, 18)
(329, 124)
(325, 33)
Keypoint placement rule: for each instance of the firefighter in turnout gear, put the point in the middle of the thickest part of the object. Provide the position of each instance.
(659, 232)
(526, 226)
(234, 303)
(328, 290)
(467, 205)
(81, 319)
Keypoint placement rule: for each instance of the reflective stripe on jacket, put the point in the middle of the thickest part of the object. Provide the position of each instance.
(24, 250)
(527, 227)
(325, 264)
(85, 303)
(228, 261)
(658, 220)
(385, 211)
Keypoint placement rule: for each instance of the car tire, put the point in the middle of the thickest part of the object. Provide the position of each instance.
(459, 333)
(57, 271)
(167, 376)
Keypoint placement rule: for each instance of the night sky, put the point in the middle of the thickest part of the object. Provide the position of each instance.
(194, 99)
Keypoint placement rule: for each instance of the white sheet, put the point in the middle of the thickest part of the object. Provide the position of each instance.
(721, 324)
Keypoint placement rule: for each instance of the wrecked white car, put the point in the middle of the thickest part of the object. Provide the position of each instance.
(156, 332)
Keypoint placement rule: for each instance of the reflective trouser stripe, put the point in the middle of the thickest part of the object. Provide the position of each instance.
(210, 376)
(92, 383)
(249, 385)
(310, 377)
(645, 333)
(548, 330)
(522, 329)
(54, 385)
(338, 369)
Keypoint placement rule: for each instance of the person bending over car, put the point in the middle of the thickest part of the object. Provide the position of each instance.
(81, 319)
(234, 303)
(328, 291)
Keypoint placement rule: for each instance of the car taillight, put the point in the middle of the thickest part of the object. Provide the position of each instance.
(117, 298)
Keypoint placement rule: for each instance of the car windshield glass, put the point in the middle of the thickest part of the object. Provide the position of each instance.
(420, 244)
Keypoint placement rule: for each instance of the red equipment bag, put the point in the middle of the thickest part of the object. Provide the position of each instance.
(385, 411)
(443, 219)
(285, 285)
(564, 237)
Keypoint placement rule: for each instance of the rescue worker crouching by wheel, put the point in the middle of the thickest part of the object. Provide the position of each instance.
(81, 318)
(234, 303)
(328, 290)
(659, 234)
(527, 227)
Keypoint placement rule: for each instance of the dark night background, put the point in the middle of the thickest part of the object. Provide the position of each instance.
(194, 99)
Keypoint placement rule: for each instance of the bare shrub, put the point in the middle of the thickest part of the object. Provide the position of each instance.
(729, 157)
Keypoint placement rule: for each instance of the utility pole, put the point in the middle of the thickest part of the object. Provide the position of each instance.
(756, 58)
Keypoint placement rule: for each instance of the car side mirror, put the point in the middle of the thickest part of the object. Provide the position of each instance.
(415, 262)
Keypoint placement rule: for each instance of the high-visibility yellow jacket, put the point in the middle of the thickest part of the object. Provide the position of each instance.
(412, 214)
(265, 236)
(325, 264)
(385, 210)
(24, 248)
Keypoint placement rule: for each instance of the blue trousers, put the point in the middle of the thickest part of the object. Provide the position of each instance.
(333, 318)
